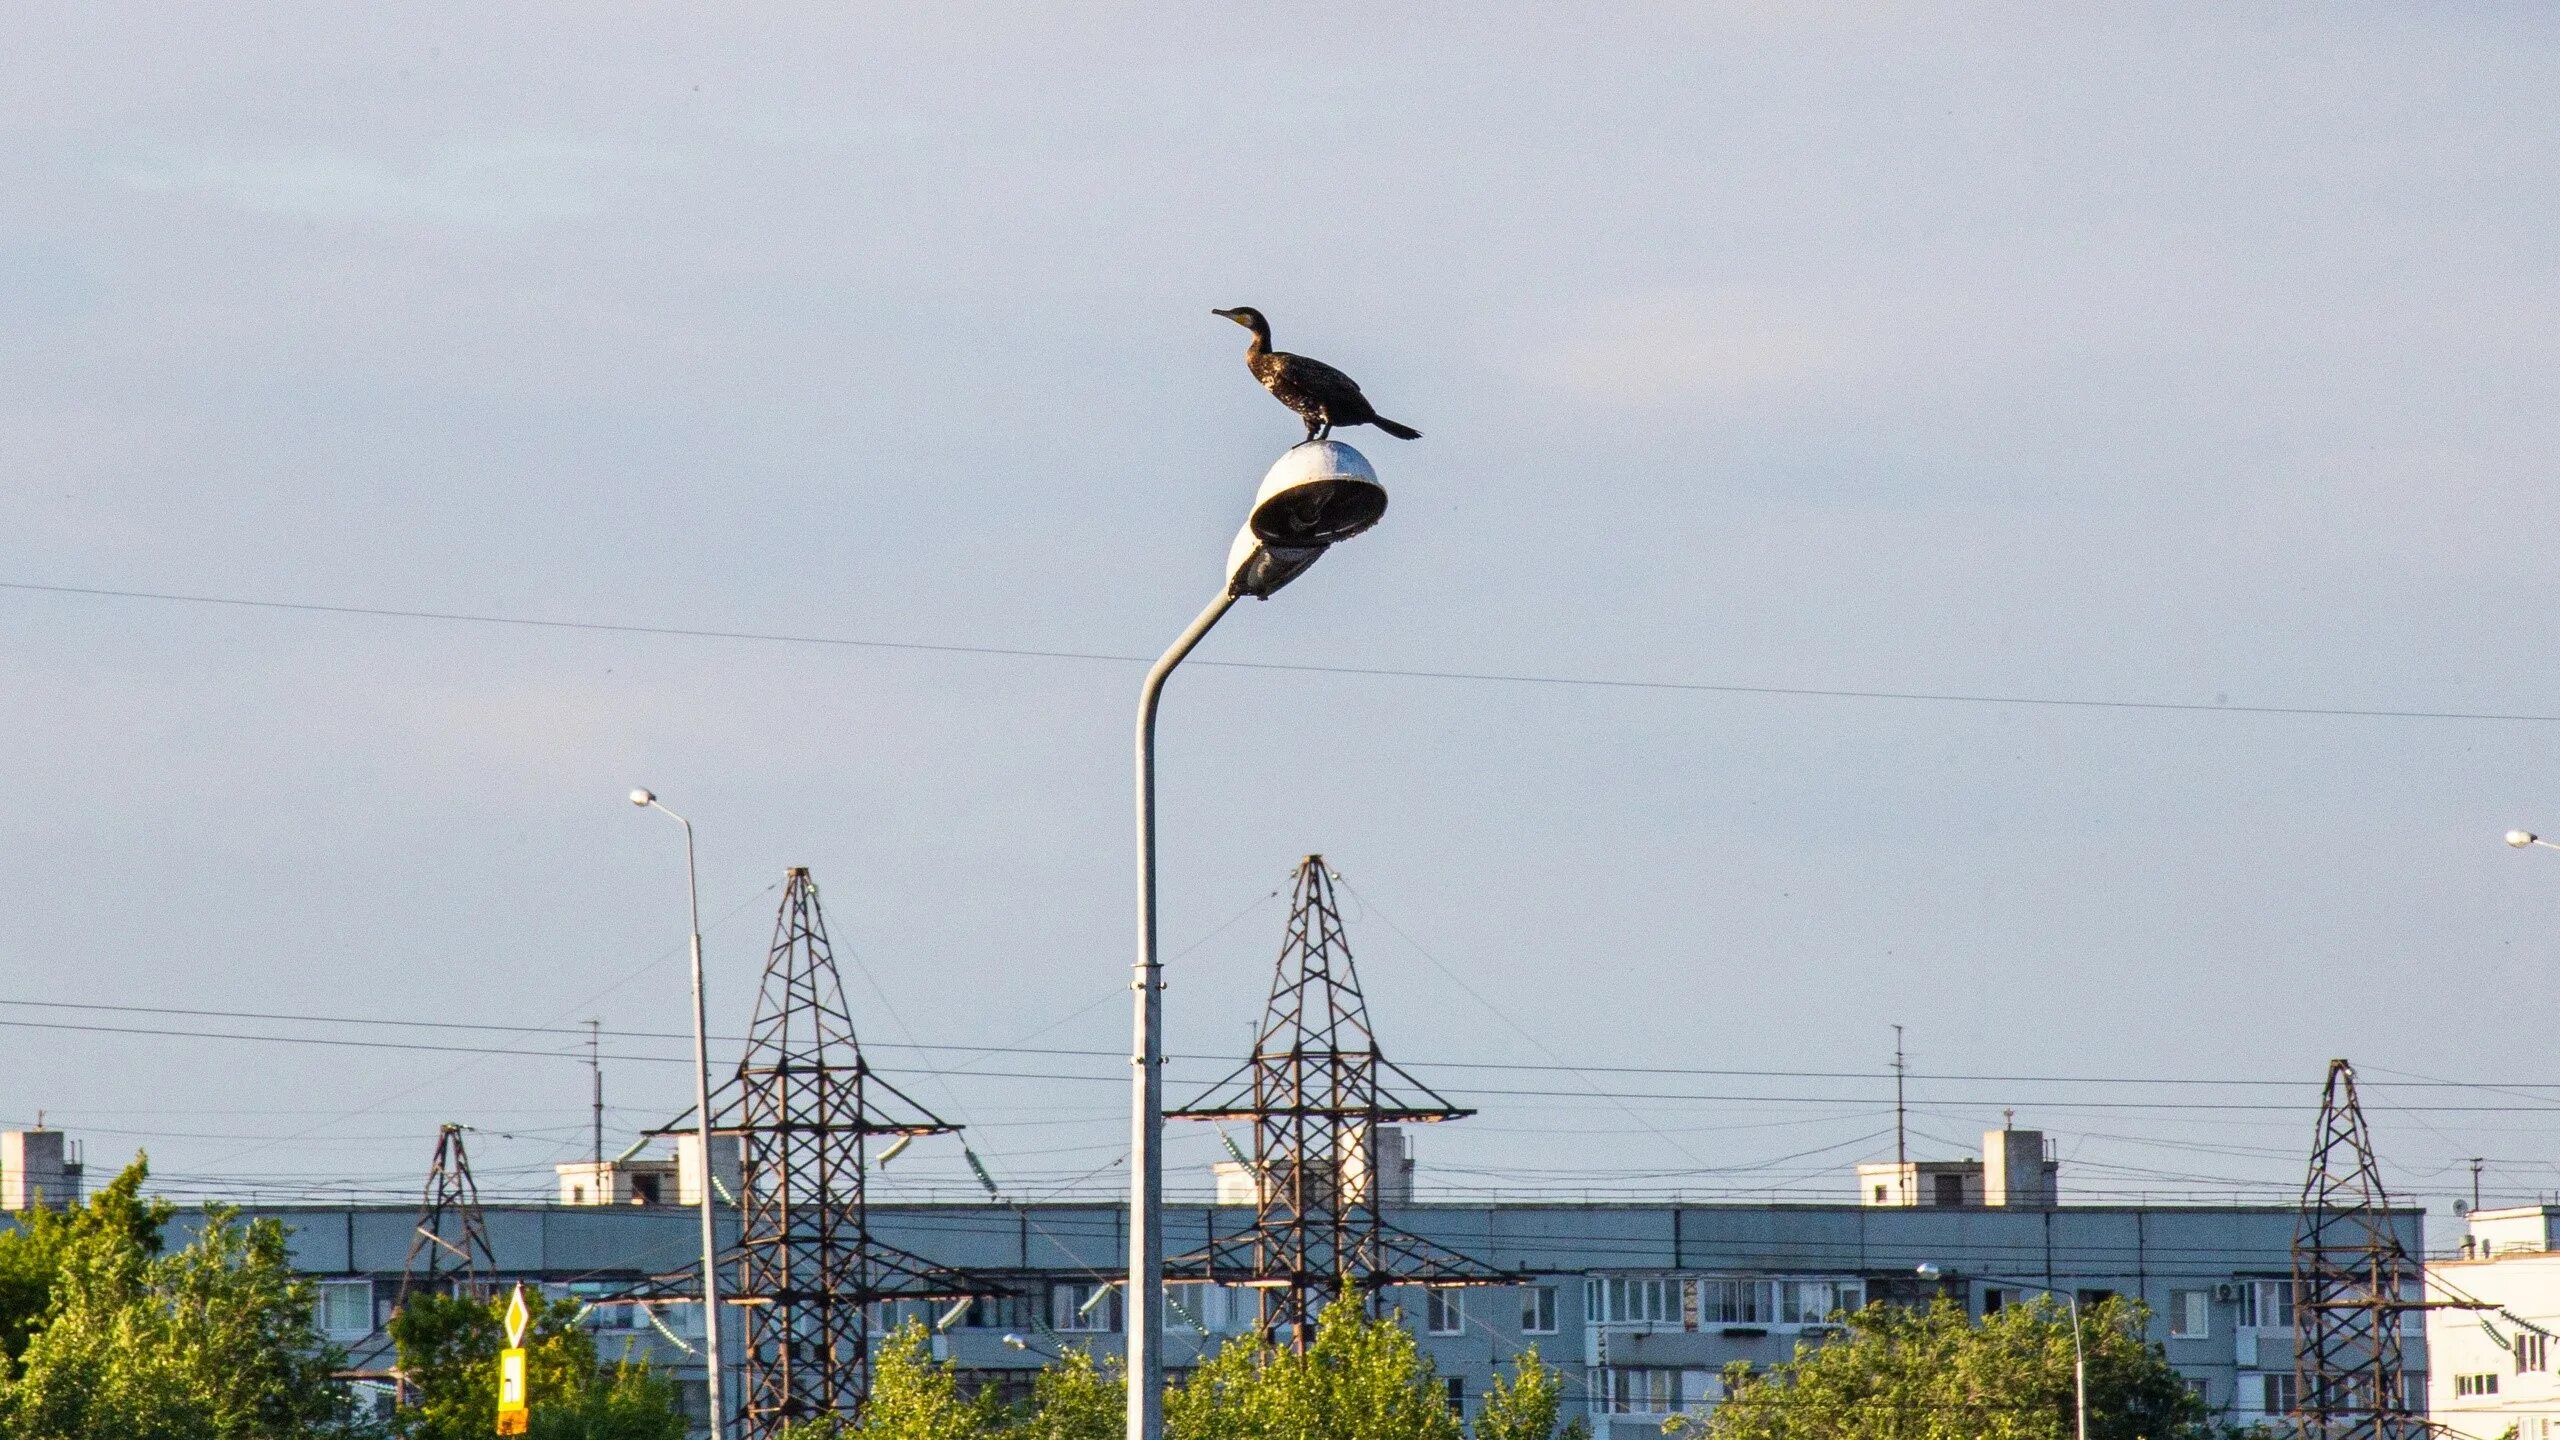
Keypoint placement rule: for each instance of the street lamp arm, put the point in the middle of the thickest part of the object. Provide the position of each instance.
(1163, 669)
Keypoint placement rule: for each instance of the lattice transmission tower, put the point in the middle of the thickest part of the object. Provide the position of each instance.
(2352, 1284)
(1320, 1095)
(450, 1234)
(804, 1105)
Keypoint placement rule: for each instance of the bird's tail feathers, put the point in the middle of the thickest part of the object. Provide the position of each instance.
(1401, 432)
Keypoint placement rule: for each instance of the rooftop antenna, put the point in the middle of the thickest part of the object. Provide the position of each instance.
(1901, 1148)
(595, 1065)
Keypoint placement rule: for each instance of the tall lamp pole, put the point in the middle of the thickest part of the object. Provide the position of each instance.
(2079, 1360)
(712, 1357)
(1320, 492)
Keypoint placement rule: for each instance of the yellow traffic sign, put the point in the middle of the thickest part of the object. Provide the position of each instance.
(513, 1416)
(517, 1315)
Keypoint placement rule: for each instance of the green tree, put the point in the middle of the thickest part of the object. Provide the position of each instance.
(1362, 1379)
(214, 1342)
(31, 1255)
(1935, 1374)
(1527, 1404)
(448, 1347)
(1079, 1398)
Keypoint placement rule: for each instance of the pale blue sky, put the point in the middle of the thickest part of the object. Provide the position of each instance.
(2178, 355)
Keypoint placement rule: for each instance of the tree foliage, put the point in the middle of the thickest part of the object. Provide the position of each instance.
(31, 1255)
(214, 1342)
(1528, 1404)
(1936, 1374)
(448, 1347)
(1364, 1378)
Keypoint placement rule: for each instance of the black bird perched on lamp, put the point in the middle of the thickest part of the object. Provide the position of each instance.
(1323, 396)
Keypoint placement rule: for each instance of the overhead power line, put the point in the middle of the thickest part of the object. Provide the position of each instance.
(1669, 1096)
(579, 1033)
(1491, 677)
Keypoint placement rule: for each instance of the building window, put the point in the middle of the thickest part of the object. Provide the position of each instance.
(2267, 1304)
(1457, 1395)
(1950, 1189)
(2190, 1314)
(1214, 1309)
(1084, 1308)
(1001, 1312)
(1879, 1194)
(1737, 1302)
(1446, 1310)
(1640, 1300)
(2277, 1395)
(1649, 1390)
(1811, 1302)
(2533, 1352)
(2467, 1386)
(2201, 1389)
(1538, 1310)
(344, 1308)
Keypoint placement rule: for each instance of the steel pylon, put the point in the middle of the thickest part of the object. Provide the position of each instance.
(1319, 1093)
(2353, 1282)
(450, 1234)
(804, 1105)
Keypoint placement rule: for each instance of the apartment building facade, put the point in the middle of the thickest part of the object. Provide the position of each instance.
(1641, 1304)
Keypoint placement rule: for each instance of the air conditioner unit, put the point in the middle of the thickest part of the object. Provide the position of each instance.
(2226, 1292)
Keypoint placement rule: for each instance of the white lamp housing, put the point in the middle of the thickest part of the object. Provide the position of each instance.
(1320, 492)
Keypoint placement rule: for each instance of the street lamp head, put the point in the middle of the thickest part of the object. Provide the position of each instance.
(1320, 492)
(1259, 570)
(2521, 838)
(1015, 1341)
(643, 799)
(1927, 1271)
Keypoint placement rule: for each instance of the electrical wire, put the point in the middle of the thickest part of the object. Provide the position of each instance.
(1012, 652)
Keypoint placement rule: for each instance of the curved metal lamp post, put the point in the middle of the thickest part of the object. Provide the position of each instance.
(1320, 493)
(712, 1357)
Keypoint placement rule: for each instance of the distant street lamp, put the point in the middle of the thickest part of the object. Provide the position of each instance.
(2522, 838)
(1320, 492)
(712, 1356)
(2079, 1361)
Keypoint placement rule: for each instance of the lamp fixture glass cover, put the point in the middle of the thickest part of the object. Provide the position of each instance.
(1259, 570)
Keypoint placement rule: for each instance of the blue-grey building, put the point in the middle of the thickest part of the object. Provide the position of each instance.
(1642, 1304)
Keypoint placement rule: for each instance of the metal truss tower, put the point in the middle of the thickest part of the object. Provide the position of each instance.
(450, 1233)
(804, 1105)
(1319, 1095)
(2352, 1285)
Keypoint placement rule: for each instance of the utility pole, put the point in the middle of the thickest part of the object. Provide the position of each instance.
(1901, 1149)
(2476, 1162)
(595, 1065)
